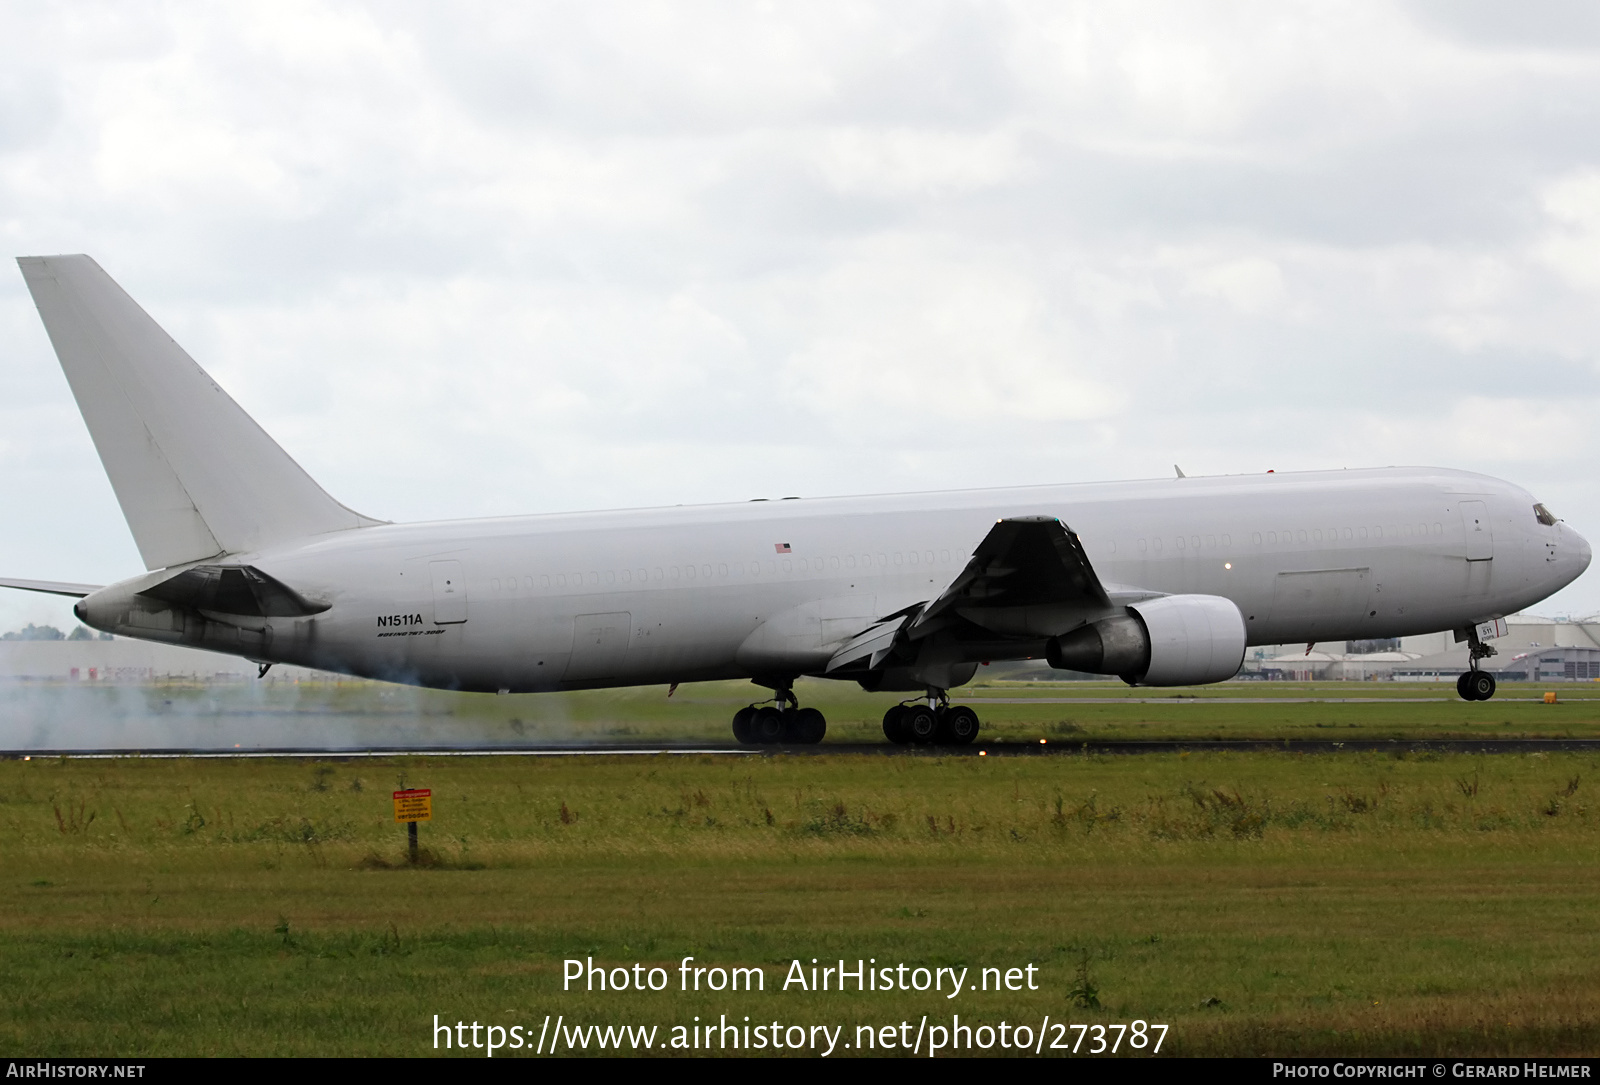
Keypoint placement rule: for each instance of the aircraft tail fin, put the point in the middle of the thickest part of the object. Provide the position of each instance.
(195, 475)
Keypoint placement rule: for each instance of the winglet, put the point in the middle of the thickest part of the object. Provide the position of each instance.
(1178, 469)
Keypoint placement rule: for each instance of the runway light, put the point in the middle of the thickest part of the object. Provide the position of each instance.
(1227, 565)
(981, 753)
(1041, 742)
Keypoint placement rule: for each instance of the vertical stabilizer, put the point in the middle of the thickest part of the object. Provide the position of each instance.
(195, 475)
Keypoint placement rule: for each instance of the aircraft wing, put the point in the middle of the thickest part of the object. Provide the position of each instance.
(1029, 577)
(1029, 571)
(51, 587)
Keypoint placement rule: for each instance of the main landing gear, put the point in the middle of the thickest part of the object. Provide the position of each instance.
(782, 722)
(1476, 685)
(934, 723)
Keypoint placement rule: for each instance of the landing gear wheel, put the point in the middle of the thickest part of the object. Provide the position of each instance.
(1480, 684)
(768, 726)
(894, 725)
(744, 725)
(807, 726)
(958, 725)
(1461, 686)
(921, 725)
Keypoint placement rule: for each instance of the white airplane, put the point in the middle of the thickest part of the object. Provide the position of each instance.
(1162, 583)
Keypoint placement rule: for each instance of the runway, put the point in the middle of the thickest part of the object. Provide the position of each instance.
(876, 749)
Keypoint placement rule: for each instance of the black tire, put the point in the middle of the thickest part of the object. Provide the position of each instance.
(744, 725)
(1482, 685)
(894, 725)
(958, 725)
(768, 726)
(1462, 688)
(807, 727)
(921, 724)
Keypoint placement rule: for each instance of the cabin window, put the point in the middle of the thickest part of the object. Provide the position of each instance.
(1142, 546)
(899, 559)
(1227, 540)
(1302, 535)
(611, 576)
(1156, 543)
(788, 565)
(644, 575)
(1362, 532)
(944, 556)
(594, 579)
(494, 585)
(912, 557)
(803, 565)
(1316, 534)
(1438, 529)
(688, 571)
(722, 570)
(705, 571)
(1180, 542)
(1405, 531)
(883, 560)
(544, 582)
(561, 580)
(1272, 537)
(1377, 532)
(833, 563)
(849, 561)
(673, 572)
(928, 557)
(659, 573)
(1211, 542)
(626, 576)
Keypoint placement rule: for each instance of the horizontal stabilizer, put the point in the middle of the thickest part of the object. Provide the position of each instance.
(234, 589)
(195, 475)
(50, 587)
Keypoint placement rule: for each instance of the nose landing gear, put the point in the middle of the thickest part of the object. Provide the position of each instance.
(934, 723)
(1476, 685)
(783, 721)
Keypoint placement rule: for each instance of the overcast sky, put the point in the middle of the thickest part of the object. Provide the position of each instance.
(470, 260)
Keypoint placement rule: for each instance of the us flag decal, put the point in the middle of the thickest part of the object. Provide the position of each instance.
(783, 548)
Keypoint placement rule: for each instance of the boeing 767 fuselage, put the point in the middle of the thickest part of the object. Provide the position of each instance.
(1159, 582)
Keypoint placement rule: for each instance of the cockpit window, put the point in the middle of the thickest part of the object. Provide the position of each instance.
(1542, 514)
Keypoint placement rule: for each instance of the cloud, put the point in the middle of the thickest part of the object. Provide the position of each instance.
(498, 259)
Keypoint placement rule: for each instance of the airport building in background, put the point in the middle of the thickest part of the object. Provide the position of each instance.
(123, 660)
(1534, 649)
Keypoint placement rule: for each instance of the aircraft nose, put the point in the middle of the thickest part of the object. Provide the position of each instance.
(1581, 553)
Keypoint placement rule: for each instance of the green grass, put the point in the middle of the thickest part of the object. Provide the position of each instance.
(1258, 904)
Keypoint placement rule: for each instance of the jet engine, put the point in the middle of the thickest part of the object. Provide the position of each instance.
(1177, 640)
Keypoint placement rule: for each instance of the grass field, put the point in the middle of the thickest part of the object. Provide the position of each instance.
(1273, 903)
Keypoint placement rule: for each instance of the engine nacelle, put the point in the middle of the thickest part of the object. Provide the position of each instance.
(1177, 640)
